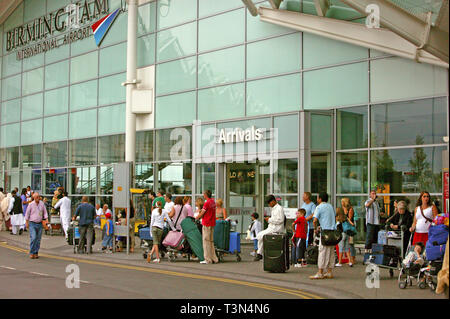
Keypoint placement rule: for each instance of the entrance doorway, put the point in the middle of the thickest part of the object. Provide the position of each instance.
(246, 186)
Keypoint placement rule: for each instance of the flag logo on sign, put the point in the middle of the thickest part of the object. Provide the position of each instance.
(101, 27)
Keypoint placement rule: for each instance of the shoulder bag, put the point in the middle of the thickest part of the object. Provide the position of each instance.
(330, 237)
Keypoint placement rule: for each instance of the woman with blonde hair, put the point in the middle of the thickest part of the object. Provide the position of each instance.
(221, 212)
(199, 202)
(350, 218)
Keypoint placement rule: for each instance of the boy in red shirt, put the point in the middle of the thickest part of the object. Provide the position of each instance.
(301, 228)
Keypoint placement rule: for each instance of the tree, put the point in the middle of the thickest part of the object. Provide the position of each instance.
(420, 166)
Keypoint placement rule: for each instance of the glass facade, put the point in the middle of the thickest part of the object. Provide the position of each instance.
(360, 119)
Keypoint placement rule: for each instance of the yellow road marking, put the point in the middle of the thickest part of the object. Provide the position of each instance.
(302, 294)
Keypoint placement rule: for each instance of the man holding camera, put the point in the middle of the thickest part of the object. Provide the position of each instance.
(372, 220)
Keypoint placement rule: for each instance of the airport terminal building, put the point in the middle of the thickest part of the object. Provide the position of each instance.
(243, 105)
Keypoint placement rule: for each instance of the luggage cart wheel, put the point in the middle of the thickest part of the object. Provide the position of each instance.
(402, 284)
(171, 257)
(422, 285)
(391, 273)
(238, 258)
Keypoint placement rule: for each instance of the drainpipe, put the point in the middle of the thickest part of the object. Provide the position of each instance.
(130, 117)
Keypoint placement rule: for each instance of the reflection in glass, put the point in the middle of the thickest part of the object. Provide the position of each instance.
(352, 127)
(12, 157)
(12, 179)
(83, 180)
(106, 180)
(206, 178)
(173, 144)
(400, 123)
(144, 146)
(351, 172)
(321, 132)
(286, 176)
(55, 178)
(407, 170)
(83, 152)
(175, 178)
(111, 149)
(32, 178)
(321, 173)
(144, 176)
(55, 154)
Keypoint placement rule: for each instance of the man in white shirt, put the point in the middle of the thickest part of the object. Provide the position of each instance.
(65, 212)
(276, 224)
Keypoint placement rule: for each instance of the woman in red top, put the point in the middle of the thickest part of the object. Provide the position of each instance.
(301, 227)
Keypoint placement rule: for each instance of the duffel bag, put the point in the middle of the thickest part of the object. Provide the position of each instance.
(437, 235)
(174, 239)
(434, 252)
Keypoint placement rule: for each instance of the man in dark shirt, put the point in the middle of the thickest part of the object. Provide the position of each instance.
(86, 224)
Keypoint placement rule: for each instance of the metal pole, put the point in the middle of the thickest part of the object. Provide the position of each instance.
(130, 122)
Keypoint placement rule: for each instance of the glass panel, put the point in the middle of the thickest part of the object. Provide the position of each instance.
(222, 30)
(175, 178)
(175, 110)
(206, 136)
(259, 53)
(147, 18)
(221, 102)
(287, 127)
(321, 128)
(10, 135)
(32, 106)
(33, 81)
(84, 67)
(83, 95)
(33, 9)
(11, 111)
(106, 180)
(83, 180)
(55, 128)
(31, 132)
(397, 78)
(10, 64)
(12, 157)
(55, 154)
(118, 31)
(286, 176)
(206, 177)
(110, 89)
(144, 146)
(177, 42)
(357, 203)
(221, 67)
(317, 51)
(57, 75)
(11, 87)
(352, 128)
(76, 201)
(173, 144)
(407, 170)
(32, 178)
(55, 178)
(113, 59)
(83, 152)
(146, 50)
(176, 76)
(208, 7)
(409, 123)
(111, 119)
(175, 12)
(352, 172)
(346, 85)
(83, 124)
(53, 5)
(274, 95)
(257, 29)
(144, 176)
(321, 173)
(56, 101)
(111, 149)
(59, 53)
(85, 45)
(32, 156)
(33, 62)
(12, 180)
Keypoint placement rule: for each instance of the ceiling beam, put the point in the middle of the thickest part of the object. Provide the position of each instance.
(322, 7)
(7, 7)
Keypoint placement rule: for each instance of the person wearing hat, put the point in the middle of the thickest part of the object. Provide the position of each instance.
(402, 220)
(276, 224)
(109, 231)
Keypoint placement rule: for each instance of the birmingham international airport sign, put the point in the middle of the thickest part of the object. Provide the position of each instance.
(35, 37)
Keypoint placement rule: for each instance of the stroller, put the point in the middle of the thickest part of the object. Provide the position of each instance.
(145, 235)
(411, 272)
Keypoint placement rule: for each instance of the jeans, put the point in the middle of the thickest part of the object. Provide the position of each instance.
(86, 231)
(298, 252)
(255, 244)
(371, 235)
(310, 236)
(107, 241)
(35, 237)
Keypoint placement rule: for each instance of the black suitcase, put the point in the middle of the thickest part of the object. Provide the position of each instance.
(276, 252)
(391, 251)
(312, 255)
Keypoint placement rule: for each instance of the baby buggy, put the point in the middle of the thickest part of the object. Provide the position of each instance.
(413, 272)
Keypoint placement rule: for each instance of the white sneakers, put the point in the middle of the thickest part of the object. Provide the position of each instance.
(298, 265)
(253, 254)
(203, 262)
(338, 265)
(156, 261)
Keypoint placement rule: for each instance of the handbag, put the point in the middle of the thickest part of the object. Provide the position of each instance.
(174, 238)
(330, 237)
(349, 229)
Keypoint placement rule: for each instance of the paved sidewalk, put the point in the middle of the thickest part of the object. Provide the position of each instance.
(349, 283)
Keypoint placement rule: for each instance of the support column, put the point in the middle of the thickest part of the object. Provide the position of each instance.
(130, 117)
(304, 155)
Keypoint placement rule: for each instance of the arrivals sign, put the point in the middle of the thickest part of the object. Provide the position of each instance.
(239, 135)
(35, 37)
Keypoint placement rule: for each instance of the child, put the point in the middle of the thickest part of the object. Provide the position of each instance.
(108, 239)
(255, 228)
(414, 257)
(301, 229)
(344, 244)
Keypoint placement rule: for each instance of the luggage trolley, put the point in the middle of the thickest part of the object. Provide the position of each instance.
(76, 237)
(390, 262)
(226, 241)
(55, 225)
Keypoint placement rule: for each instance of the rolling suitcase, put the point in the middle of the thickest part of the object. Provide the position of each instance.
(193, 236)
(222, 235)
(235, 243)
(145, 234)
(276, 252)
(312, 254)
